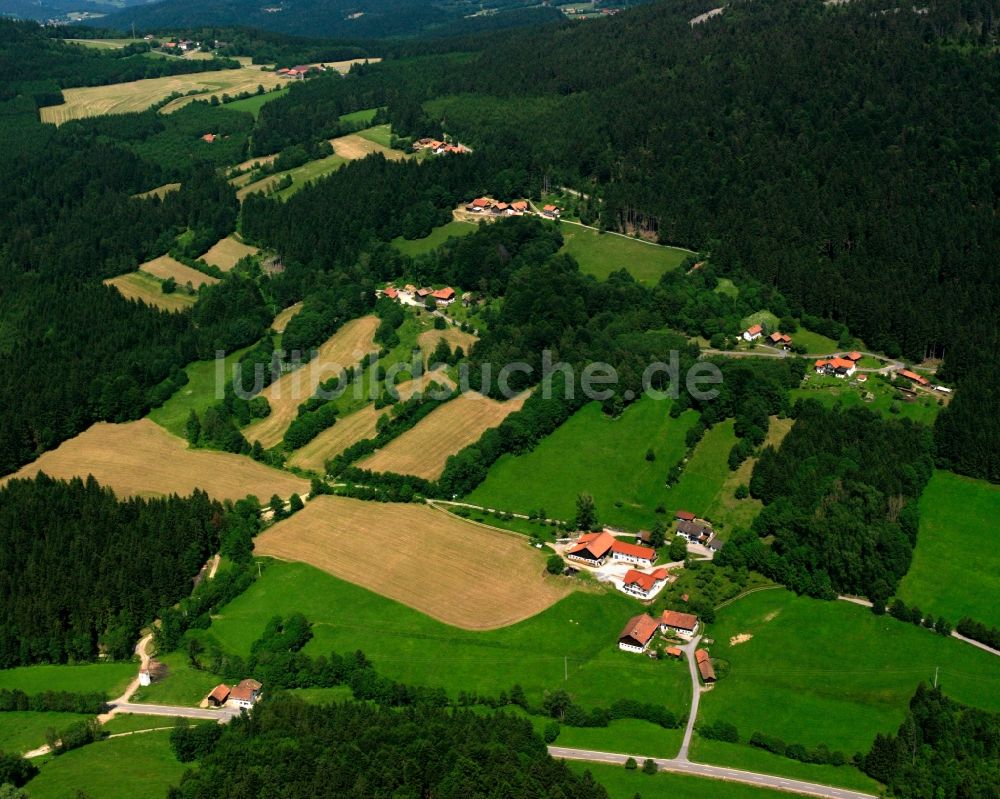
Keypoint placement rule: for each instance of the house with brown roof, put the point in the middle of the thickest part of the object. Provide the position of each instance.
(674, 651)
(638, 632)
(219, 695)
(633, 553)
(245, 694)
(684, 516)
(913, 377)
(778, 339)
(695, 531)
(445, 296)
(684, 625)
(642, 584)
(705, 667)
(479, 205)
(551, 211)
(519, 206)
(753, 333)
(854, 356)
(592, 548)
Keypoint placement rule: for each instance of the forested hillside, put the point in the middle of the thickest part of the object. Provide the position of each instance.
(80, 568)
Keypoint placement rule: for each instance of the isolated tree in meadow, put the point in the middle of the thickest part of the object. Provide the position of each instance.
(439, 323)
(193, 428)
(631, 764)
(586, 512)
(649, 766)
(556, 702)
(295, 503)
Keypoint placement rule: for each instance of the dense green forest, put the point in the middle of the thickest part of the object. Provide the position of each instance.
(943, 750)
(364, 750)
(82, 570)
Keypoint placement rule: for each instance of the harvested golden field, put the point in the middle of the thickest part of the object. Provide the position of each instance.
(250, 163)
(423, 450)
(353, 147)
(165, 267)
(347, 347)
(138, 95)
(226, 252)
(344, 67)
(264, 184)
(142, 459)
(354, 427)
(457, 572)
(159, 191)
(429, 339)
(140, 286)
(284, 317)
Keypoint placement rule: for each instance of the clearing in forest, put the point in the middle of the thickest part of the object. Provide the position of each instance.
(166, 267)
(429, 339)
(347, 347)
(600, 254)
(355, 146)
(225, 253)
(423, 450)
(138, 95)
(142, 459)
(482, 579)
(144, 287)
(159, 191)
(353, 428)
(284, 317)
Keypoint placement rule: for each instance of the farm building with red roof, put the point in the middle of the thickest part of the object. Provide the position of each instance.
(643, 585)
(753, 333)
(838, 367)
(637, 633)
(633, 553)
(705, 667)
(592, 548)
(683, 624)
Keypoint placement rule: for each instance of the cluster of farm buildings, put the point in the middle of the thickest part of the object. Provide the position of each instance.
(490, 207)
(440, 147)
(411, 295)
(776, 339)
(244, 695)
(640, 630)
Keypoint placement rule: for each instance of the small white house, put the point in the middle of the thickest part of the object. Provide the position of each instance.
(642, 585)
(637, 633)
(684, 625)
(633, 553)
(753, 333)
(145, 678)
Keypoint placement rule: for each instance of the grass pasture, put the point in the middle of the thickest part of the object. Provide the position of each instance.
(142, 459)
(435, 239)
(252, 105)
(578, 634)
(816, 344)
(143, 287)
(593, 454)
(628, 736)
(118, 768)
(348, 346)
(956, 565)
(705, 473)
(832, 391)
(138, 95)
(300, 176)
(362, 117)
(847, 671)
(380, 134)
(166, 267)
(225, 253)
(423, 450)
(601, 254)
(108, 678)
(22, 731)
(467, 590)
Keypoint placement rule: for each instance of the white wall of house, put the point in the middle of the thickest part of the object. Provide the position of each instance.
(630, 648)
(687, 635)
(631, 559)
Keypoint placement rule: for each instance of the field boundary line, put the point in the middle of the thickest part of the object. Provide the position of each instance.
(747, 593)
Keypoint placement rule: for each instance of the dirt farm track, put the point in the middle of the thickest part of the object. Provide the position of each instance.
(142, 459)
(455, 571)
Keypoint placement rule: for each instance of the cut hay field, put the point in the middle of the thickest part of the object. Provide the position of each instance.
(353, 427)
(454, 571)
(103, 44)
(138, 95)
(600, 255)
(142, 459)
(347, 347)
(250, 163)
(591, 453)
(159, 191)
(455, 337)
(956, 565)
(146, 288)
(358, 145)
(435, 239)
(284, 317)
(118, 768)
(166, 267)
(225, 253)
(423, 449)
(847, 671)
(300, 176)
(578, 633)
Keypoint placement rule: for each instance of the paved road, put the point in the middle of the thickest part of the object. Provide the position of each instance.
(223, 714)
(689, 650)
(715, 772)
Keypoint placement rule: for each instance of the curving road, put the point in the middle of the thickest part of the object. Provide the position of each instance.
(715, 772)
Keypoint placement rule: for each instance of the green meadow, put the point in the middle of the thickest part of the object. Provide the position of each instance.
(601, 254)
(23, 731)
(252, 105)
(627, 736)
(956, 565)
(362, 117)
(623, 783)
(705, 473)
(833, 391)
(591, 453)
(108, 678)
(310, 170)
(380, 134)
(575, 638)
(832, 672)
(814, 343)
(117, 768)
(435, 239)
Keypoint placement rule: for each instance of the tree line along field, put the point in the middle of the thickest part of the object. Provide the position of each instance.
(956, 564)
(833, 673)
(435, 239)
(832, 391)
(226, 252)
(593, 454)
(578, 634)
(491, 580)
(143, 459)
(165, 267)
(347, 347)
(124, 98)
(423, 449)
(143, 287)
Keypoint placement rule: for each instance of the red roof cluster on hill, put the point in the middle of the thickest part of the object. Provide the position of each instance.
(835, 363)
(855, 356)
(596, 545)
(391, 292)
